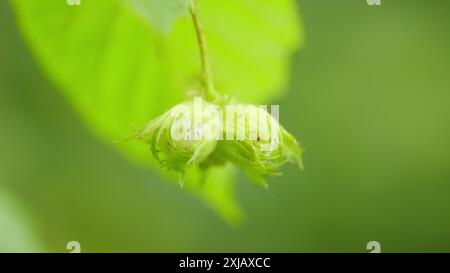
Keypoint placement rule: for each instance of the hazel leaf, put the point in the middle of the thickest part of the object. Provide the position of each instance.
(161, 14)
(117, 69)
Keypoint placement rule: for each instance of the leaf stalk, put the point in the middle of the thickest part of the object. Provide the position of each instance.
(207, 78)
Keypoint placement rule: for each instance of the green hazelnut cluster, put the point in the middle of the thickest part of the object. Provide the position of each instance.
(199, 133)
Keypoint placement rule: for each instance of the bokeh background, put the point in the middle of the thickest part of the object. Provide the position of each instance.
(369, 98)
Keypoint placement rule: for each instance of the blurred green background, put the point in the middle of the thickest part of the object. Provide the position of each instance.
(369, 98)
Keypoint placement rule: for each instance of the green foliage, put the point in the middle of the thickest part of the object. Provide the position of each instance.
(117, 68)
(160, 14)
(15, 227)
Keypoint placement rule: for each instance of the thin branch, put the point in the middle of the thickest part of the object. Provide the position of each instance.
(208, 80)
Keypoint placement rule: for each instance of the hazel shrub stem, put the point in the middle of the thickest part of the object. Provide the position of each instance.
(208, 80)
